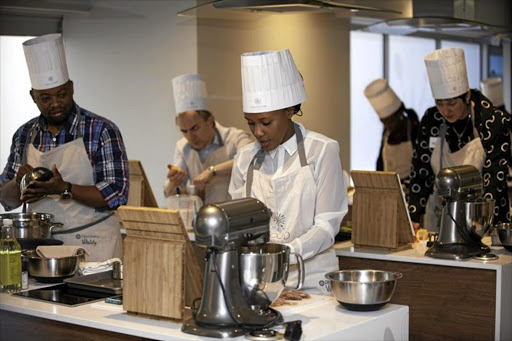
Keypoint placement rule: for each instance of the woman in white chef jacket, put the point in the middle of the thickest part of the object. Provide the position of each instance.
(296, 172)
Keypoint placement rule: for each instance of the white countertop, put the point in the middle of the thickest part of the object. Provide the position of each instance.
(417, 255)
(322, 319)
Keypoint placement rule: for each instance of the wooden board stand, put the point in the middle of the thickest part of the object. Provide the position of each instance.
(140, 191)
(379, 213)
(160, 270)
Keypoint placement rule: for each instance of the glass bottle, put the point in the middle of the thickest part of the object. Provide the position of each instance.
(10, 260)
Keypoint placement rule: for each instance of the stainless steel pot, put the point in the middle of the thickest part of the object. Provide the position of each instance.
(363, 290)
(264, 271)
(32, 225)
(49, 270)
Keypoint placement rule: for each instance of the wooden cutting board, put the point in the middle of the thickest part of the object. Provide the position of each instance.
(379, 212)
(140, 191)
(160, 270)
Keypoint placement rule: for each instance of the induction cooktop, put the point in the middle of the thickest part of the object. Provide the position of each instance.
(63, 294)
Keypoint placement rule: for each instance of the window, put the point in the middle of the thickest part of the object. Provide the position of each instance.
(14, 93)
(404, 68)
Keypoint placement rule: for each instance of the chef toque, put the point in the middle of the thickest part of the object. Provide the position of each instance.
(46, 61)
(493, 90)
(189, 93)
(382, 98)
(446, 69)
(270, 81)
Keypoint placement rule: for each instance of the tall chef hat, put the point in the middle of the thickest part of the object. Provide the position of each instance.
(189, 93)
(493, 90)
(270, 81)
(382, 98)
(446, 69)
(46, 61)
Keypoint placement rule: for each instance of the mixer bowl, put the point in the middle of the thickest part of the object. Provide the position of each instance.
(479, 217)
(505, 235)
(264, 271)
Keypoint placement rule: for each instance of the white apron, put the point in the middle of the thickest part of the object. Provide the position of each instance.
(397, 157)
(291, 198)
(102, 239)
(217, 188)
(472, 153)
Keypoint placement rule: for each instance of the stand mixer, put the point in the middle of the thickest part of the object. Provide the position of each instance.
(225, 228)
(466, 216)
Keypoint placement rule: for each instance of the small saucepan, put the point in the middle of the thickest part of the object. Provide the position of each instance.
(51, 270)
(32, 225)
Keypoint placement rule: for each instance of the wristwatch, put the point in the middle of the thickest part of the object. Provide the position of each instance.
(66, 195)
(212, 170)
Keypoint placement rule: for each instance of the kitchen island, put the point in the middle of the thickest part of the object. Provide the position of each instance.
(322, 319)
(448, 299)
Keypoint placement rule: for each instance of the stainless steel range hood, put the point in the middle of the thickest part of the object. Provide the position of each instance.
(459, 18)
(279, 6)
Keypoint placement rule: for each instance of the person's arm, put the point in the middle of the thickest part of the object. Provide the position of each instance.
(331, 204)
(496, 143)
(237, 182)
(220, 169)
(87, 195)
(111, 170)
(177, 175)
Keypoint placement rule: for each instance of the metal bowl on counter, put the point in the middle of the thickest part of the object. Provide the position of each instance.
(363, 290)
(505, 235)
(51, 270)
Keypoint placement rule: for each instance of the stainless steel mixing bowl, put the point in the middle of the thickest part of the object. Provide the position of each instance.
(50, 270)
(264, 271)
(363, 290)
(505, 235)
(479, 217)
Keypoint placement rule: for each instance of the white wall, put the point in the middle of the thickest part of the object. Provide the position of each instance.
(122, 58)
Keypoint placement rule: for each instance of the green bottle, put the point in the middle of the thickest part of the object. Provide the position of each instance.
(10, 260)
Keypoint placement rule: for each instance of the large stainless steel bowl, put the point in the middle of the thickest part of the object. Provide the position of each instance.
(264, 271)
(479, 217)
(363, 290)
(50, 270)
(505, 235)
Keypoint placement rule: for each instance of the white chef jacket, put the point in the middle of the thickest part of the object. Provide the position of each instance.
(322, 154)
(223, 148)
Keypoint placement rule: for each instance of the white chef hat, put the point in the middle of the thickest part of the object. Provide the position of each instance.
(446, 69)
(46, 61)
(382, 98)
(270, 81)
(493, 90)
(189, 93)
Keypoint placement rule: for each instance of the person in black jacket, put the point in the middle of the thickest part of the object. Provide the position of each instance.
(463, 128)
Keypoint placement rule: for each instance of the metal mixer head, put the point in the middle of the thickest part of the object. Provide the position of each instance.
(231, 224)
(459, 182)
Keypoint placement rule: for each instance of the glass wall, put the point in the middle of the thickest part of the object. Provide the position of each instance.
(14, 93)
(407, 72)
(366, 64)
(472, 54)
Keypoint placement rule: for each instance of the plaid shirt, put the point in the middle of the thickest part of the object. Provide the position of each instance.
(103, 143)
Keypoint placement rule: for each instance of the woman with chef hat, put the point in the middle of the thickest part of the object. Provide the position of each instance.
(400, 128)
(296, 172)
(463, 128)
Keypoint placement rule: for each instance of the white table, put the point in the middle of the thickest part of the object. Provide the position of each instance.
(322, 319)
